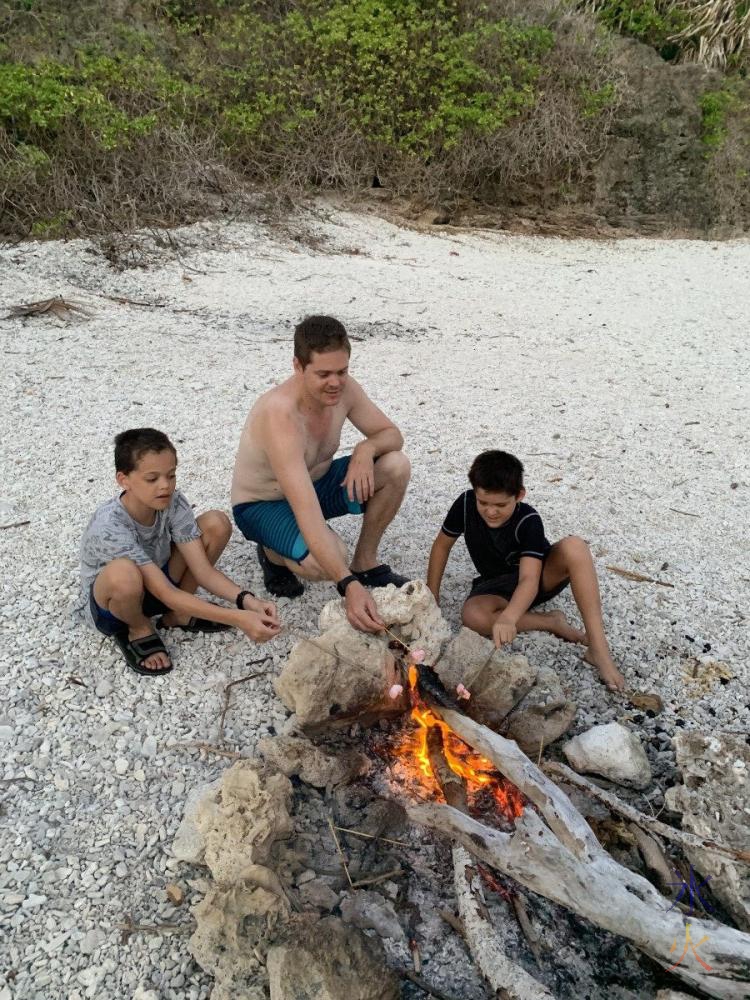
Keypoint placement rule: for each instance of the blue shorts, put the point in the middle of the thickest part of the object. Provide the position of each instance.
(108, 624)
(272, 522)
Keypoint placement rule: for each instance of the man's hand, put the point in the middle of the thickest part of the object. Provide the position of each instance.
(503, 632)
(267, 608)
(259, 627)
(360, 476)
(361, 610)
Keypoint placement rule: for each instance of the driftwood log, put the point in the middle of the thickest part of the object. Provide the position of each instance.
(487, 948)
(564, 861)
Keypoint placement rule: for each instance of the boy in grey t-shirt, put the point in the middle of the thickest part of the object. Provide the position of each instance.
(144, 554)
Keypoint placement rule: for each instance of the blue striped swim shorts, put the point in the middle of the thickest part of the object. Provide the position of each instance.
(272, 522)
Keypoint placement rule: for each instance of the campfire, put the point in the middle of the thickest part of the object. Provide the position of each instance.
(432, 736)
(337, 840)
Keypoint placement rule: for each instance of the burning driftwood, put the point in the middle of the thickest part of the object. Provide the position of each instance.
(563, 861)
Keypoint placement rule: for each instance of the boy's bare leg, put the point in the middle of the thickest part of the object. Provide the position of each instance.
(119, 589)
(216, 530)
(570, 558)
(479, 613)
(392, 472)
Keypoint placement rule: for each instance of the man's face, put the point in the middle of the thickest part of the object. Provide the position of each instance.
(325, 375)
(153, 480)
(496, 508)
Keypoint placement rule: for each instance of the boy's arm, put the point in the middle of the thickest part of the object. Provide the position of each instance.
(258, 627)
(441, 549)
(216, 582)
(529, 573)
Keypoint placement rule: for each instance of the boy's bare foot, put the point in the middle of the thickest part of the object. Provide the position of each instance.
(158, 661)
(607, 668)
(561, 627)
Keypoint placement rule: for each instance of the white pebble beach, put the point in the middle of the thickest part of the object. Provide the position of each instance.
(617, 371)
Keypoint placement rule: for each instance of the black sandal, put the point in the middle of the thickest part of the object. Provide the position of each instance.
(278, 580)
(137, 651)
(195, 625)
(380, 576)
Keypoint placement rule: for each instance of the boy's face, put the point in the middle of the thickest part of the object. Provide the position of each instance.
(325, 375)
(496, 508)
(153, 480)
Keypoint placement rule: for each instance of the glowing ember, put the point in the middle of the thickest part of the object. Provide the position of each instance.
(478, 772)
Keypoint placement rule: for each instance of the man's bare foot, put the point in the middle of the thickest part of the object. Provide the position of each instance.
(561, 627)
(607, 668)
(157, 661)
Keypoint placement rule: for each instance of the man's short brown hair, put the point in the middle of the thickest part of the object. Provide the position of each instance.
(321, 334)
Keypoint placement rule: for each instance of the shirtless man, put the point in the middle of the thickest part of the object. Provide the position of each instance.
(286, 483)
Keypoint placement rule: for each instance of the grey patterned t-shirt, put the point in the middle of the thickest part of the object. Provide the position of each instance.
(113, 534)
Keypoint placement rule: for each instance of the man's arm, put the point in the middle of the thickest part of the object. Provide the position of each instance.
(441, 549)
(381, 436)
(258, 627)
(529, 574)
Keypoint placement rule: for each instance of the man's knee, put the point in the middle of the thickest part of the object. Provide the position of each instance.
(395, 467)
(215, 526)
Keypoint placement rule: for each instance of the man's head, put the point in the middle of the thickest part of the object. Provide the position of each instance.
(146, 466)
(321, 357)
(497, 478)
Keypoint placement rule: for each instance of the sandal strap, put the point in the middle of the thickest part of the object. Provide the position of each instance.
(147, 646)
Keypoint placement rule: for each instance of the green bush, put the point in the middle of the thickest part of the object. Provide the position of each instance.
(446, 96)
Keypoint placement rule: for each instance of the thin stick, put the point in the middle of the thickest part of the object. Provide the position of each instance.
(431, 991)
(562, 771)
(341, 853)
(453, 921)
(371, 836)
(231, 684)
(16, 524)
(196, 745)
(686, 513)
(630, 574)
(522, 916)
(396, 873)
(539, 755)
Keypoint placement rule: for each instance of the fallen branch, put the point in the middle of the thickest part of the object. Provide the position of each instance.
(682, 837)
(231, 684)
(16, 524)
(432, 991)
(630, 574)
(567, 864)
(482, 936)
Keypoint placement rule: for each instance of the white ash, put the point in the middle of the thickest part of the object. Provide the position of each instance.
(617, 372)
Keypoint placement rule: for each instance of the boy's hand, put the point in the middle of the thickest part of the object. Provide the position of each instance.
(267, 608)
(361, 609)
(503, 632)
(258, 626)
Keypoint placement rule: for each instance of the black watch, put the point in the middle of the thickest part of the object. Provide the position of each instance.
(343, 584)
(241, 597)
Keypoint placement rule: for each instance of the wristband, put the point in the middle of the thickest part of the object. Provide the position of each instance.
(241, 597)
(343, 584)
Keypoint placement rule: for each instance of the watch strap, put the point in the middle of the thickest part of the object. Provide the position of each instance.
(344, 583)
(241, 597)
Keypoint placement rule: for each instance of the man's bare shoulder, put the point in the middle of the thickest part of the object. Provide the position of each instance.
(275, 402)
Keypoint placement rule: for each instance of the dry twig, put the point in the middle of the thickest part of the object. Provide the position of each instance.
(59, 307)
(630, 574)
(16, 524)
(209, 748)
(431, 991)
(341, 853)
(231, 684)
(371, 836)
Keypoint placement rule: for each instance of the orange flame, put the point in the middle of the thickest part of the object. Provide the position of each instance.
(477, 771)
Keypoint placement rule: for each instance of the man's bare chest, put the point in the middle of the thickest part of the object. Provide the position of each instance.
(322, 436)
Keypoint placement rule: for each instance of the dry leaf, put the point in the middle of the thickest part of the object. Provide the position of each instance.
(175, 895)
(646, 701)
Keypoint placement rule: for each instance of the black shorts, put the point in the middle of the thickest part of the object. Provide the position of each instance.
(505, 585)
(106, 623)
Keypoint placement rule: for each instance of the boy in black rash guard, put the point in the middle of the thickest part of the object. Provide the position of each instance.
(518, 568)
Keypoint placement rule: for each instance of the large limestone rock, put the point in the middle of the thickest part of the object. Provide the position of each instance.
(714, 800)
(239, 820)
(337, 677)
(188, 844)
(409, 611)
(294, 755)
(508, 694)
(329, 961)
(544, 714)
(611, 751)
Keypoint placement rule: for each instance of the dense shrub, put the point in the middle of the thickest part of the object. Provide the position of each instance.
(137, 121)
